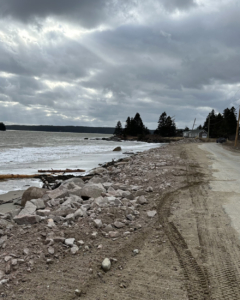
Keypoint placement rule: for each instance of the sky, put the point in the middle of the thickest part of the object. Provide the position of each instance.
(96, 62)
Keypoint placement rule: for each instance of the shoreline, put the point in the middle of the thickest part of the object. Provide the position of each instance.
(151, 215)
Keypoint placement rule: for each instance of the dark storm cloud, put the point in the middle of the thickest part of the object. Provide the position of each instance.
(89, 12)
(152, 56)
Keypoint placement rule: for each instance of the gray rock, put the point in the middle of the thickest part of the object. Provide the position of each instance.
(51, 250)
(118, 224)
(96, 179)
(80, 213)
(92, 191)
(151, 213)
(85, 207)
(39, 203)
(107, 185)
(101, 202)
(130, 217)
(98, 223)
(14, 212)
(69, 242)
(108, 228)
(106, 264)
(142, 200)
(32, 193)
(27, 219)
(128, 195)
(43, 212)
(25, 251)
(3, 239)
(70, 217)
(58, 193)
(76, 192)
(77, 181)
(113, 234)
(149, 189)
(29, 209)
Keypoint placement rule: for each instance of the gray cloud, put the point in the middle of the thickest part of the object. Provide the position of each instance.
(150, 60)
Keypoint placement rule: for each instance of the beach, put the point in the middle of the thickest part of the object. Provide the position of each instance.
(155, 225)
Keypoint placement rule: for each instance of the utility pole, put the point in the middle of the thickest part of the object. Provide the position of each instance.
(208, 125)
(194, 123)
(236, 138)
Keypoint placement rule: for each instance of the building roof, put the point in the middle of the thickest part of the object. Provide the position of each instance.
(196, 131)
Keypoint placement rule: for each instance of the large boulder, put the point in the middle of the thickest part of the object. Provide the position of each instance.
(32, 193)
(58, 193)
(92, 190)
(72, 183)
(29, 209)
(27, 219)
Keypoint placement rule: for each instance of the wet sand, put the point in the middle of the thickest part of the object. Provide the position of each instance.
(5, 198)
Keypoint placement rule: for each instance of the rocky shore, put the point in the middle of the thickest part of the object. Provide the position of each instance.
(85, 226)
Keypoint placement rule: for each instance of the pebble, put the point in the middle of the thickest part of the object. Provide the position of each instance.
(25, 251)
(74, 249)
(51, 250)
(118, 224)
(106, 264)
(135, 251)
(78, 293)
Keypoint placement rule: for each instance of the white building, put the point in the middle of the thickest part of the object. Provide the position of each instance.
(195, 133)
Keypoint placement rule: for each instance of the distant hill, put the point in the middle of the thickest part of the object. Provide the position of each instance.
(79, 129)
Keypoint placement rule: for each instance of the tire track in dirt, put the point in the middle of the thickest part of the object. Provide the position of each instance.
(218, 241)
(195, 278)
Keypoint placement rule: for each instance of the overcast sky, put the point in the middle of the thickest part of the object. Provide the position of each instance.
(94, 62)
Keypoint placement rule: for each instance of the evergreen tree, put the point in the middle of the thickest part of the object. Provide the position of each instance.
(2, 126)
(186, 129)
(134, 126)
(118, 128)
(166, 126)
(221, 125)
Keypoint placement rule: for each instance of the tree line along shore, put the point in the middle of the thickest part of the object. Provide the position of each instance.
(218, 125)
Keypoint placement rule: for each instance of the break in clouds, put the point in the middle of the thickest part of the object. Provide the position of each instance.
(94, 62)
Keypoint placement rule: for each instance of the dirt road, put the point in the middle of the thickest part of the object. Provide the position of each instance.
(190, 250)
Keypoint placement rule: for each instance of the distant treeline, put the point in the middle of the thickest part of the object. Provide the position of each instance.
(79, 129)
(135, 127)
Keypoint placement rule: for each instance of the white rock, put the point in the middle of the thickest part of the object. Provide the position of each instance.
(70, 242)
(151, 213)
(106, 264)
(74, 249)
(98, 223)
(135, 251)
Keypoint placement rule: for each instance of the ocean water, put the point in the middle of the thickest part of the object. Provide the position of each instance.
(25, 152)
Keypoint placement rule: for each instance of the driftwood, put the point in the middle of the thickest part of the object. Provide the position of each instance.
(61, 171)
(9, 176)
